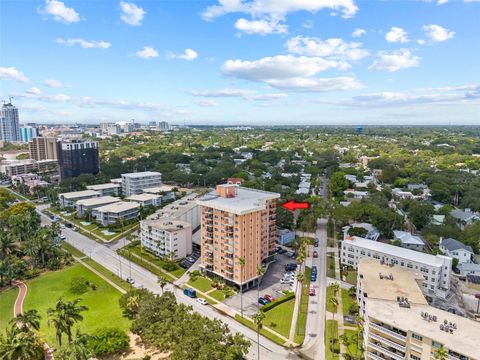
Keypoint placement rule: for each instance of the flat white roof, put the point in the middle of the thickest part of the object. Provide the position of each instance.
(159, 189)
(98, 201)
(246, 200)
(78, 194)
(395, 251)
(168, 224)
(142, 197)
(102, 186)
(177, 208)
(118, 207)
(141, 174)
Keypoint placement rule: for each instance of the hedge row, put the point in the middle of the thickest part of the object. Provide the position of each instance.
(278, 301)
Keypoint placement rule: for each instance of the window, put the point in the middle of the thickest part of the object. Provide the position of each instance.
(436, 344)
(417, 337)
(414, 357)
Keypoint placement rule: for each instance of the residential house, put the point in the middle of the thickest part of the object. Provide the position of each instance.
(456, 249)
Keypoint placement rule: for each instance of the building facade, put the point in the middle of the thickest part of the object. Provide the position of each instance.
(237, 224)
(9, 123)
(20, 167)
(116, 213)
(85, 205)
(400, 324)
(78, 157)
(43, 148)
(436, 269)
(70, 199)
(166, 237)
(27, 133)
(106, 189)
(134, 183)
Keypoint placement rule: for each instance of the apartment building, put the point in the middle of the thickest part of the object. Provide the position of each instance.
(400, 324)
(134, 183)
(237, 223)
(21, 167)
(116, 213)
(145, 199)
(43, 148)
(436, 269)
(108, 189)
(77, 157)
(70, 199)
(84, 205)
(166, 237)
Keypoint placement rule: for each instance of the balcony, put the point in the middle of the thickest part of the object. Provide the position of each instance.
(387, 342)
(386, 352)
(388, 332)
(374, 356)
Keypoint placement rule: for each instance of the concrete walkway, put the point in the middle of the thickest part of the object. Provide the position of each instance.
(339, 314)
(119, 288)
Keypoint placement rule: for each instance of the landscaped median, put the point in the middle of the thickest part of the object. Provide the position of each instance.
(331, 334)
(303, 311)
(249, 323)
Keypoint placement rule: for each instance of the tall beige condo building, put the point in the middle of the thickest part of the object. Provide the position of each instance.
(43, 148)
(236, 223)
(400, 324)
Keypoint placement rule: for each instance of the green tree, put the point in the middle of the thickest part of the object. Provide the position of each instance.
(108, 340)
(29, 320)
(19, 345)
(242, 263)
(441, 353)
(258, 321)
(162, 282)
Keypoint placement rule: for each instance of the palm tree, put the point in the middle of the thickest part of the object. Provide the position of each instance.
(258, 320)
(162, 282)
(77, 349)
(72, 312)
(133, 304)
(335, 288)
(441, 353)
(29, 320)
(19, 345)
(360, 321)
(241, 262)
(260, 272)
(334, 302)
(64, 316)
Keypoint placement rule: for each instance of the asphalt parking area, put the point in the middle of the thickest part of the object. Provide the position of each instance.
(270, 285)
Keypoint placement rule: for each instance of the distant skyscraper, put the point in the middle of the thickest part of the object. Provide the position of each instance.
(163, 125)
(152, 123)
(78, 157)
(9, 127)
(27, 133)
(43, 148)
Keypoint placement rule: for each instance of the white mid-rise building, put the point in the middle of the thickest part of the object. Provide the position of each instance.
(145, 199)
(134, 183)
(106, 189)
(436, 269)
(184, 209)
(116, 213)
(166, 237)
(70, 199)
(92, 203)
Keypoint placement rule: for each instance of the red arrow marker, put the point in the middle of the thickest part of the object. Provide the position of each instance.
(292, 205)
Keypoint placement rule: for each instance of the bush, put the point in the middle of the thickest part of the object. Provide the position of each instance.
(108, 340)
(278, 301)
(169, 266)
(79, 285)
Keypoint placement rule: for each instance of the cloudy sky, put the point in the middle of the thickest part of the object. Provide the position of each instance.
(243, 61)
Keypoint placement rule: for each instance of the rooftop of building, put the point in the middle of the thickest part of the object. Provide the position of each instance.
(141, 174)
(118, 207)
(176, 208)
(464, 215)
(395, 251)
(452, 245)
(167, 224)
(245, 200)
(407, 238)
(77, 194)
(142, 197)
(102, 186)
(159, 189)
(97, 201)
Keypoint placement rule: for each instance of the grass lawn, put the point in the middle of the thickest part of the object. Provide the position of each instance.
(330, 265)
(303, 311)
(352, 277)
(328, 335)
(72, 250)
(7, 299)
(279, 318)
(146, 265)
(346, 301)
(352, 343)
(102, 302)
(201, 283)
(108, 274)
(329, 295)
(263, 332)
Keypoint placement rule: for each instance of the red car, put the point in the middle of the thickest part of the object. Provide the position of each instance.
(268, 297)
(311, 291)
(315, 254)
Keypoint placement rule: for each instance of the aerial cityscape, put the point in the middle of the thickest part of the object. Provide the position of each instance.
(240, 179)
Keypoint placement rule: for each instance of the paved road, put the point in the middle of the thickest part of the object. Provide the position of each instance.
(122, 267)
(314, 344)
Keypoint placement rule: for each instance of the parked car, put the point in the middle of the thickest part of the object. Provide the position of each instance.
(202, 301)
(282, 251)
(291, 254)
(62, 226)
(190, 292)
(263, 301)
(62, 237)
(291, 267)
(286, 281)
(315, 254)
(130, 281)
(311, 291)
(314, 269)
(313, 277)
(268, 297)
(191, 259)
(74, 228)
(315, 244)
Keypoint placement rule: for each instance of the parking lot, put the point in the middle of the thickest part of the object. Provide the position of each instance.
(270, 285)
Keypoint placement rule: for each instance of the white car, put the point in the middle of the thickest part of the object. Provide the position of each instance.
(202, 301)
(286, 281)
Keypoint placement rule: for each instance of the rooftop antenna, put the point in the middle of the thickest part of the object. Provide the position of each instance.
(11, 97)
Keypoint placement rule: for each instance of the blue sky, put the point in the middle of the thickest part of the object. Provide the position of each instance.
(243, 62)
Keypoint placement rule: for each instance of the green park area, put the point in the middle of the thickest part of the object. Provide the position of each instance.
(279, 318)
(330, 265)
(332, 345)
(43, 292)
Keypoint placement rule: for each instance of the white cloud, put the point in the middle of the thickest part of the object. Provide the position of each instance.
(60, 12)
(187, 55)
(289, 72)
(277, 9)
(147, 52)
(437, 33)
(359, 32)
(261, 27)
(52, 83)
(11, 73)
(207, 103)
(421, 42)
(308, 24)
(245, 94)
(441, 2)
(396, 34)
(86, 44)
(34, 91)
(131, 13)
(335, 48)
(395, 60)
